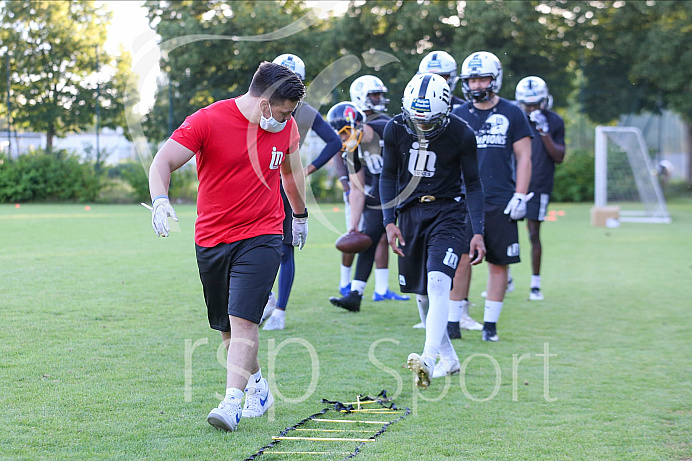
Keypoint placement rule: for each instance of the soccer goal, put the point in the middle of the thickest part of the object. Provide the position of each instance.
(625, 177)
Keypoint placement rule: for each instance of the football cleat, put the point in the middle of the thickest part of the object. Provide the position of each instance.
(453, 330)
(275, 322)
(535, 294)
(389, 295)
(257, 400)
(443, 368)
(351, 302)
(422, 367)
(489, 334)
(419, 325)
(226, 416)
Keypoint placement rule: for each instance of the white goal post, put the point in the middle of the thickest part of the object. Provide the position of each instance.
(625, 177)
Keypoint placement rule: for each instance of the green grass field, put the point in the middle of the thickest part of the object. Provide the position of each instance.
(99, 320)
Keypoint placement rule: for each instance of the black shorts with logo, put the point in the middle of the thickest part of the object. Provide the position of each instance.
(237, 278)
(434, 234)
(501, 236)
(537, 207)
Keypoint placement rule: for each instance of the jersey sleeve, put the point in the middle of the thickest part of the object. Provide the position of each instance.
(388, 177)
(328, 135)
(193, 132)
(475, 198)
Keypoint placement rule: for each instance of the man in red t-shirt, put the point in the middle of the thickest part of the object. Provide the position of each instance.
(244, 149)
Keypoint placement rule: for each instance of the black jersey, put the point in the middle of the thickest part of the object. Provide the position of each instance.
(542, 166)
(369, 156)
(496, 130)
(412, 170)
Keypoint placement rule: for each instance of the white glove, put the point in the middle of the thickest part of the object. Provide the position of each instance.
(161, 210)
(299, 229)
(516, 207)
(540, 120)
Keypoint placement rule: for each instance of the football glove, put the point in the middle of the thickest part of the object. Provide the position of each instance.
(299, 229)
(540, 120)
(516, 207)
(161, 210)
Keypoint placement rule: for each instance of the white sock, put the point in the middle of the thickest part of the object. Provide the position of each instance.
(381, 281)
(465, 307)
(358, 285)
(345, 276)
(439, 286)
(535, 281)
(232, 393)
(255, 380)
(492, 311)
(454, 311)
(281, 313)
(422, 302)
(447, 352)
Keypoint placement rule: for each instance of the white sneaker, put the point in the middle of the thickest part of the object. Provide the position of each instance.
(419, 325)
(226, 416)
(257, 400)
(535, 295)
(275, 323)
(269, 307)
(466, 322)
(442, 369)
(422, 367)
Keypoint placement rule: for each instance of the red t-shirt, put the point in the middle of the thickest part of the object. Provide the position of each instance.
(238, 170)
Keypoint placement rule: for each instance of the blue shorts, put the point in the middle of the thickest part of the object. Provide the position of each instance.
(237, 278)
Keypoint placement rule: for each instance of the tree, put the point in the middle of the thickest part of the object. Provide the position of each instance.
(199, 72)
(53, 48)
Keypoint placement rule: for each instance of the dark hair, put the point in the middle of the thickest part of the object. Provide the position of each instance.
(277, 83)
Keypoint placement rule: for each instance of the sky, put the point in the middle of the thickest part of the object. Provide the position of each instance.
(130, 27)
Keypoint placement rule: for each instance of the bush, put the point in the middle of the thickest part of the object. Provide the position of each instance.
(37, 176)
(574, 178)
(183, 187)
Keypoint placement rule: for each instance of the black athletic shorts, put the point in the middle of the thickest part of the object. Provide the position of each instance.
(237, 278)
(434, 234)
(501, 236)
(537, 207)
(288, 220)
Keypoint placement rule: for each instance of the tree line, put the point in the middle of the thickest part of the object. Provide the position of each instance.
(605, 57)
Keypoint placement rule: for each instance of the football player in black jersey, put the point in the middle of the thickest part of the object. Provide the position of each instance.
(426, 150)
(547, 149)
(503, 138)
(362, 143)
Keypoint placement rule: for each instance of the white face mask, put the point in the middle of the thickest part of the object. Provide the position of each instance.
(271, 124)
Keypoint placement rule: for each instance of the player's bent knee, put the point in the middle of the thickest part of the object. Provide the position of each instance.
(439, 283)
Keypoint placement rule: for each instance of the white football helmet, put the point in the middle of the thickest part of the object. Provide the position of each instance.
(532, 91)
(293, 62)
(441, 63)
(481, 64)
(426, 105)
(368, 93)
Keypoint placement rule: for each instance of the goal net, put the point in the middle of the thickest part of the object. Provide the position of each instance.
(625, 177)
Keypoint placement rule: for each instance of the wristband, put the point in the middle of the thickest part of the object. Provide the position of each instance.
(301, 215)
(158, 197)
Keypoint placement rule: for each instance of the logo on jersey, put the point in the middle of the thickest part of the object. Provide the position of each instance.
(186, 125)
(421, 163)
(451, 259)
(513, 250)
(277, 159)
(493, 132)
(421, 105)
(374, 162)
